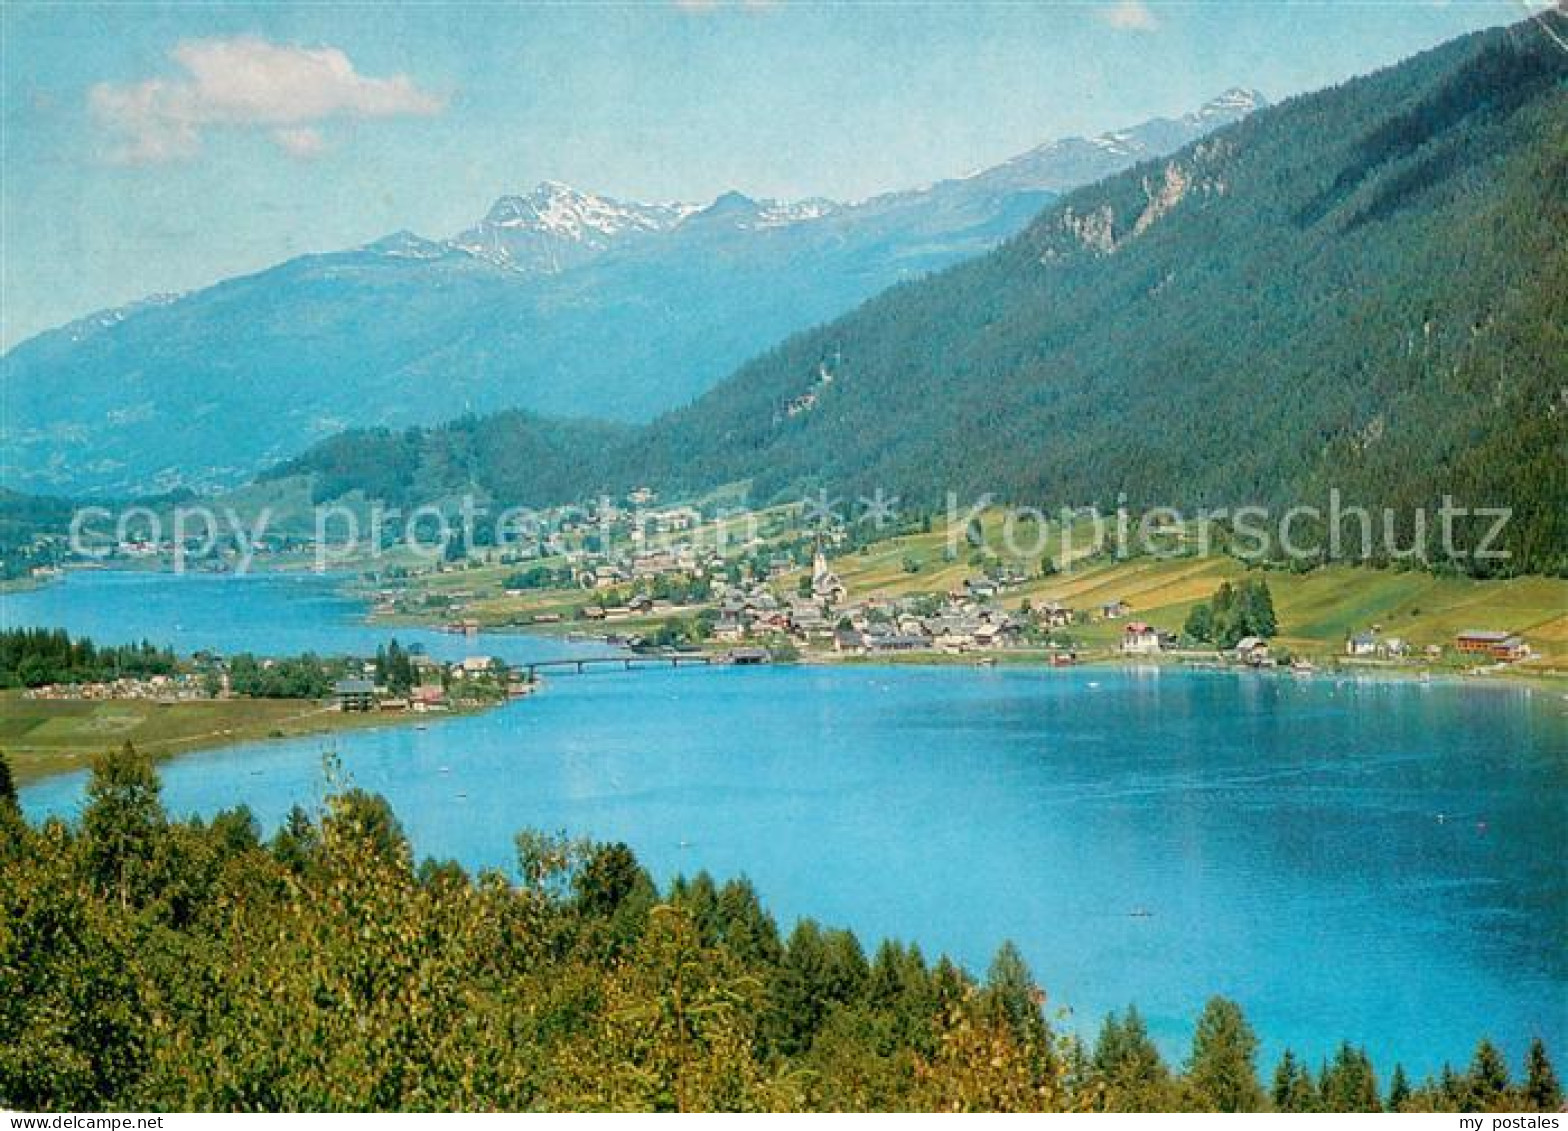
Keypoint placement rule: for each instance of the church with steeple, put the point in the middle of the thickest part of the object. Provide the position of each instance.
(825, 584)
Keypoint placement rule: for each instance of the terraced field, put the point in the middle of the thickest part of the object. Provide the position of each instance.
(1318, 611)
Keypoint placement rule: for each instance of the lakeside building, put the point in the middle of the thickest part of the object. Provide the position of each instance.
(1497, 645)
(428, 697)
(1361, 644)
(1253, 650)
(1371, 644)
(1141, 639)
(355, 694)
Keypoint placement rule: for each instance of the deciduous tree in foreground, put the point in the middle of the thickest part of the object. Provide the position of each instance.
(149, 963)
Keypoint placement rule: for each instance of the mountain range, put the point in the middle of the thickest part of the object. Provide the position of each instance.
(558, 301)
(1364, 289)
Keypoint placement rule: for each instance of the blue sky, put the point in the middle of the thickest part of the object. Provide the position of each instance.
(160, 147)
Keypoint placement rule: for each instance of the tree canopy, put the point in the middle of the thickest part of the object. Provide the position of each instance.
(152, 963)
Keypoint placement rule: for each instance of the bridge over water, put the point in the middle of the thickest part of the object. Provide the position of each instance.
(584, 664)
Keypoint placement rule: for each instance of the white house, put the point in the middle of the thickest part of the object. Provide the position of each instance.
(1252, 650)
(1361, 644)
(1140, 639)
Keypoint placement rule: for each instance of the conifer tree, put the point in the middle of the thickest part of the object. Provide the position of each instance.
(1222, 1071)
(1013, 999)
(1541, 1089)
(1349, 1082)
(1129, 1067)
(1486, 1084)
(1293, 1089)
(1398, 1089)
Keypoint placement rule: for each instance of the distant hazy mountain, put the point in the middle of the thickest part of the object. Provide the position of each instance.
(559, 302)
(1363, 289)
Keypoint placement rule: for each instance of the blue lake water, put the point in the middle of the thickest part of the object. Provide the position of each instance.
(1377, 860)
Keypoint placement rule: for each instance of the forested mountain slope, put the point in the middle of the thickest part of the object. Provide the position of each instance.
(1363, 288)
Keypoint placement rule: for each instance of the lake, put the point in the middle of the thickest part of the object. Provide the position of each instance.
(1374, 859)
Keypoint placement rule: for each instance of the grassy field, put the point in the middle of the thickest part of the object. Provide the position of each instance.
(50, 736)
(1317, 611)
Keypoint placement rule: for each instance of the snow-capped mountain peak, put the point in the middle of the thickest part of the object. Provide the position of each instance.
(778, 213)
(671, 297)
(557, 226)
(571, 213)
(404, 244)
(1237, 102)
(1059, 165)
(739, 211)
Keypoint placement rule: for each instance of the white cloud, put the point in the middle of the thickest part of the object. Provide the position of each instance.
(299, 141)
(247, 83)
(1130, 15)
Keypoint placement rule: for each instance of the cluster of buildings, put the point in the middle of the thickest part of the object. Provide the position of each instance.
(1374, 645)
(1142, 639)
(155, 688)
(818, 614)
(807, 400)
(969, 618)
(471, 682)
(954, 628)
(638, 605)
(821, 617)
(647, 564)
(1486, 644)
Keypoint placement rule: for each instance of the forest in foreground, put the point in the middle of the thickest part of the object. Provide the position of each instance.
(152, 963)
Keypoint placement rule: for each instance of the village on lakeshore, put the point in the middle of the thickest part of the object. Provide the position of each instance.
(679, 578)
(697, 576)
(412, 681)
(64, 696)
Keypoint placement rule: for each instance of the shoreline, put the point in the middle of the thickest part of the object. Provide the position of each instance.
(1323, 665)
(32, 766)
(350, 585)
(1327, 665)
(1511, 681)
(1331, 663)
(165, 750)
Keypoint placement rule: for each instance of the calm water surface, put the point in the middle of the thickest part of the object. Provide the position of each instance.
(1376, 860)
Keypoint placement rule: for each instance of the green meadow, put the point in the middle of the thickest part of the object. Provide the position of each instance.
(41, 737)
